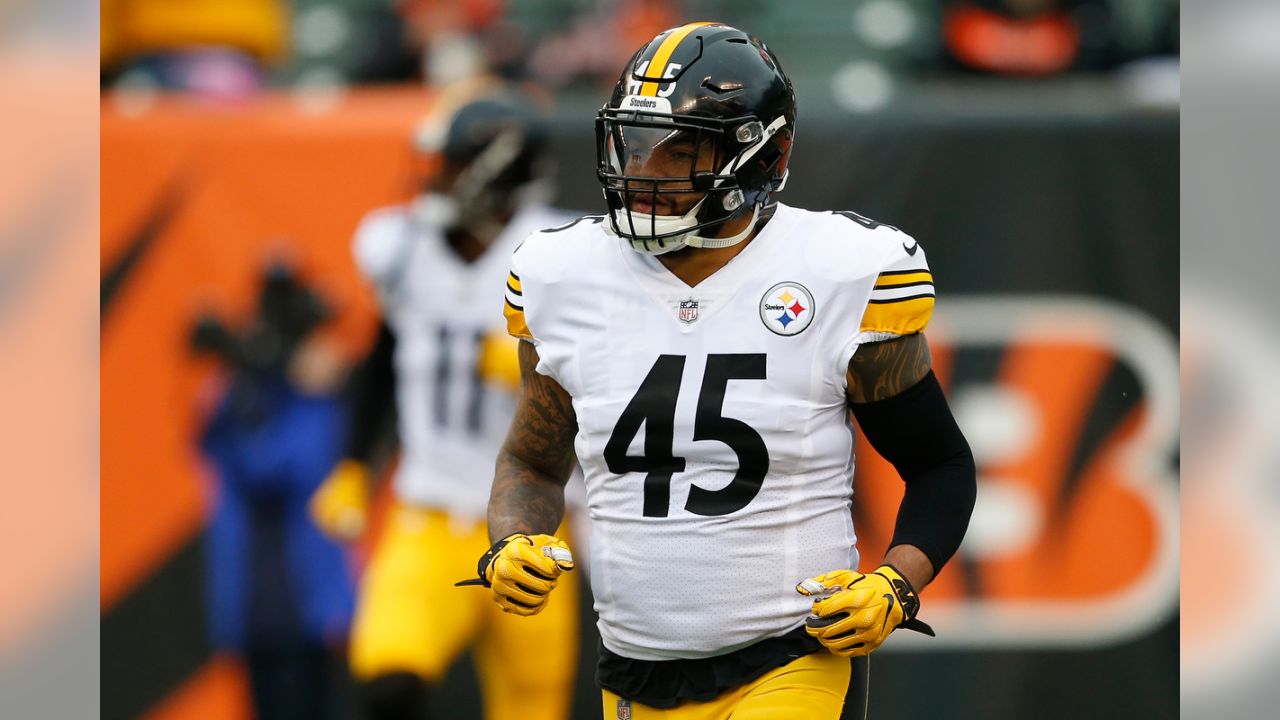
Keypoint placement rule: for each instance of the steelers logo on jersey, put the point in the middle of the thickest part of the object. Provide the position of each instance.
(787, 308)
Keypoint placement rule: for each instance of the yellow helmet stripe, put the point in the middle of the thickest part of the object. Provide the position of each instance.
(658, 66)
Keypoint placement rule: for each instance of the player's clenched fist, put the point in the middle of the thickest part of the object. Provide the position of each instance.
(853, 613)
(522, 570)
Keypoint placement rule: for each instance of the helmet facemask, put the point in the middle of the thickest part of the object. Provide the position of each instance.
(652, 164)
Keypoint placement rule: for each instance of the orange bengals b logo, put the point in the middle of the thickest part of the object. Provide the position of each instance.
(1071, 408)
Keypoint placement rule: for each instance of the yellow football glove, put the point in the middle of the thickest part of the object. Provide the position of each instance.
(340, 506)
(853, 613)
(522, 570)
(499, 360)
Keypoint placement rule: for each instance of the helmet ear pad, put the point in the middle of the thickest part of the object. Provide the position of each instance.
(781, 145)
(763, 174)
(766, 171)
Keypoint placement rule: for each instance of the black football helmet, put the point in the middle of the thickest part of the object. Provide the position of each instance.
(494, 152)
(719, 102)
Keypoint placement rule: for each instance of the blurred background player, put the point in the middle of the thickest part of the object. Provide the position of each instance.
(443, 354)
(279, 593)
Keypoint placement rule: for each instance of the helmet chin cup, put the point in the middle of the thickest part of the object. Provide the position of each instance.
(653, 234)
(666, 236)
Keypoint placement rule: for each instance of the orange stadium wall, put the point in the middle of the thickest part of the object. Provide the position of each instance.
(1055, 334)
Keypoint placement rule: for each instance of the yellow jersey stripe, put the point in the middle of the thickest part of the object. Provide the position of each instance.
(514, 282)
(516, 325)
(888, 280)
(658, 65)
(902, 317)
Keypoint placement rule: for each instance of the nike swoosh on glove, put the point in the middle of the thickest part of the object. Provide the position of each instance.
(854, 613)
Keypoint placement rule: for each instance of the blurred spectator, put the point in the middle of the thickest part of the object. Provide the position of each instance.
(214, 47)
(1044, 37)
(595, 44)
(229, 48)
(279, 593)
(348, 41)
(451, 37)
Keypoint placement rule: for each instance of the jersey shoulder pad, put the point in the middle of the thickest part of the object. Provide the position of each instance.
(902, 297)
(902, 294)
(844, 246)
(545, 257)
(563, 249)
(870, 239)
(382, 241)
(576, 227)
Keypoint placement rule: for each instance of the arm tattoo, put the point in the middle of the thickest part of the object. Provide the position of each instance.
(883, 369)
(537, 457)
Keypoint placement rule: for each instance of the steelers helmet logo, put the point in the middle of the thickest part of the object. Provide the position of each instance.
(787, 308)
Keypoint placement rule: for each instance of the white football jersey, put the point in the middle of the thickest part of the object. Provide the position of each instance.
(712, 422)
(444, 313)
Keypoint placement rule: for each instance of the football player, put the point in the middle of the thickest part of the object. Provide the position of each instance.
(444, 360)
(700, 346)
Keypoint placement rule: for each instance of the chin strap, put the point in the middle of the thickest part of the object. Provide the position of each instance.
(711, 243)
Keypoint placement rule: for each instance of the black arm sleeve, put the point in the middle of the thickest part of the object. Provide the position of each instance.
(372, 397)
(916, 432)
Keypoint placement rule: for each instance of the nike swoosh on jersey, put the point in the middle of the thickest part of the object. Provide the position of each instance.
(911, 250)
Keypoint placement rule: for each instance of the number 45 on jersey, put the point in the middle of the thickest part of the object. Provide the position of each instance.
(654, 405)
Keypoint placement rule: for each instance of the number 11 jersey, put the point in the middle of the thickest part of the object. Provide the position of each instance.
(452, 415)
(713, 430)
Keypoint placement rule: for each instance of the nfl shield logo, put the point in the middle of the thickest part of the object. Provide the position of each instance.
(624, 705)
(688, 310)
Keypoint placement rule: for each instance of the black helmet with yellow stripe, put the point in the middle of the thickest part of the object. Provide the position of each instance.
(697, 135)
